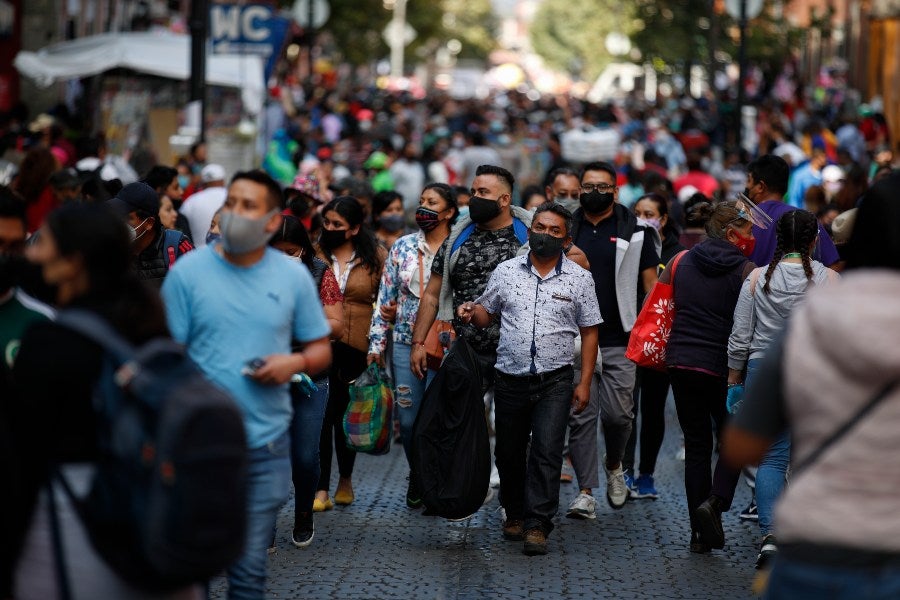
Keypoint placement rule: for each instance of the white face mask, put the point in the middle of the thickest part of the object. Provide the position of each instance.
(132, 231)
(241, 235)
(570, 204)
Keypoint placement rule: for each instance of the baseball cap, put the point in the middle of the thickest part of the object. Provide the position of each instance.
(212, 172)
(135, 196)
(307, 185)
(65, 179)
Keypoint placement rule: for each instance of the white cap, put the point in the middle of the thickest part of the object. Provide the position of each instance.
(212, 172)
(832, 174)
(686, 192)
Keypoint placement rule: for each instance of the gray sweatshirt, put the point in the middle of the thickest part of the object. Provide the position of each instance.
(759, 317)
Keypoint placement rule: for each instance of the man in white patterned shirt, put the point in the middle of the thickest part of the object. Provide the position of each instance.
(543, 300)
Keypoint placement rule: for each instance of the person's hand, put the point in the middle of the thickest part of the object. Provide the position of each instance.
(418, 361)
(389, 311)
(580, 397)
(277, 369)
(466, 311)
(375, 358)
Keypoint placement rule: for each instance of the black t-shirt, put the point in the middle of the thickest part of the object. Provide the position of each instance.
(599, 244)
(478, 256)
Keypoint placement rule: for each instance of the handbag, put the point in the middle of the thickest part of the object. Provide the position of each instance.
(368, 420)
(650, 334)
(441, 334)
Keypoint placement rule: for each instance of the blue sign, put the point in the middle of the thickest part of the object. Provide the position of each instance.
(247, 29)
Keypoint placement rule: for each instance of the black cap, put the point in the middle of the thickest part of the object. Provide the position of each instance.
(65, 179)
(135, 196)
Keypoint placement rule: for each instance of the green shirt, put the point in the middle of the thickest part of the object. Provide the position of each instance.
(17, 313)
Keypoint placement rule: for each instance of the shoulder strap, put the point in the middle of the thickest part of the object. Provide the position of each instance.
(171, 240)
(520, 229)
(460, 239)
(421, 274)
(675, 262)
(813, 456)
(59, 555)
(98, 330)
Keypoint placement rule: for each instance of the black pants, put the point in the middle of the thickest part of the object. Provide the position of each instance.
(700, 402)
(650, 399)
(346, 365)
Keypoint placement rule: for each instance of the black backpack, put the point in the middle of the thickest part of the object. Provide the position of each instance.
(451, 452)
(167, 504)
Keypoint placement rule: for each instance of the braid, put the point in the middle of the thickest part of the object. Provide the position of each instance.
(796, 231)
(809, 229)
(776, 258)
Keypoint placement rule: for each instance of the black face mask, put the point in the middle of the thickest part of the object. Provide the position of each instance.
(329, 239)
(545, 245)
(482, 210)
(597, 202)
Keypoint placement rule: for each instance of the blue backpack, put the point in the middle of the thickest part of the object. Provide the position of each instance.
(167, 504)
(519, 228)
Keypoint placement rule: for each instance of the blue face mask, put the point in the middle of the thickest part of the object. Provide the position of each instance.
(184, 181)
(212, 237)
(463, 212)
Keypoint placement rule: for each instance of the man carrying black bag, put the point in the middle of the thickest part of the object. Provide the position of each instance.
(544, 301)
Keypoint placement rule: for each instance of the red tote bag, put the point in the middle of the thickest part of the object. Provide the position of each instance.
(650, 334)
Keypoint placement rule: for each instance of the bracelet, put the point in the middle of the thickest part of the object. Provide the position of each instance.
(415, 343)
(731, 385)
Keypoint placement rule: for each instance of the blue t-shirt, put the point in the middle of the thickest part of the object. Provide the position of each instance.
(227, 315)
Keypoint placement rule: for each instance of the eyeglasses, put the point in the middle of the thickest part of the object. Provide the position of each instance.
(587, 188)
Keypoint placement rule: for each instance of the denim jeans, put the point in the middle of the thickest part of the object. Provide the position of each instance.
(796, 580)
(772, 468)
(527, 407)
(306, 430)
(408, 393)
(268, 485)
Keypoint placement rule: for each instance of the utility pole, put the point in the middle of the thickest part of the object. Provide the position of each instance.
(398, 44)
(199, 27)
(742, 71)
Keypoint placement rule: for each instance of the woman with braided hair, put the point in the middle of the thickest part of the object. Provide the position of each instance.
(765, 302)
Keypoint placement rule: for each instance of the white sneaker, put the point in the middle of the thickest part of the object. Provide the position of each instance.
(495, 477)
(584, 507)
(616, 489)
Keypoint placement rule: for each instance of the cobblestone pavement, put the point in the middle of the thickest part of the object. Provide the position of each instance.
(377, 548)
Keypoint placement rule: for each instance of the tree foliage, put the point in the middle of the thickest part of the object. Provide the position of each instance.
(570, 34)
(473, 23)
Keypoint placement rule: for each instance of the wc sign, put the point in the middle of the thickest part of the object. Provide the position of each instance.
(247, 29)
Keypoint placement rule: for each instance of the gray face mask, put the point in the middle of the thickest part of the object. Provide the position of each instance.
(241, 235)
(570, 204)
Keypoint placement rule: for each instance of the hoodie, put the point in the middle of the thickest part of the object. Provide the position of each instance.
(759, 317)
(706, 287)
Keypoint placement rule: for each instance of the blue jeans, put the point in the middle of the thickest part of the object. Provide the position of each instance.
(268, 485)
(772, 468)
(795, 580)
(408, 392)
(531, 418)
(306, 429)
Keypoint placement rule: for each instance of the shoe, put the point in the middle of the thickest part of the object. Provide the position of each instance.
(616, 490)
(708, 517)
(322, 505)
(495, 477)
(304, 531)
(584, 507)
(413, 495)
(750, 513)
(698, 545)
(343, 496)
(535, 542)
(644, 488)
(514, 530)
(629, 479)
(567, 474)
(767, 551)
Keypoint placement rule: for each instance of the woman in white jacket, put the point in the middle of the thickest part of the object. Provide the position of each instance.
(766, 300)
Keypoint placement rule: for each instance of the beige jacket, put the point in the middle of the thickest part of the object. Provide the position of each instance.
(842, 349)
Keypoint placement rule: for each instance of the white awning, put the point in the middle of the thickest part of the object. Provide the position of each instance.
(163, 54)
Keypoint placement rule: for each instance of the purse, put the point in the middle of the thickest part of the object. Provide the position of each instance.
(368, 420)
(650, 334)
(441, 334)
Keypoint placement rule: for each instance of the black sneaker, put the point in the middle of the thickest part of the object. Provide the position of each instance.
(413, 494)
(708, 518)
(304, 531)
(767, 551)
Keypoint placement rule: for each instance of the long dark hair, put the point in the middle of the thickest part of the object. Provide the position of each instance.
(292, 231)
(364, 241)
(101, 239)
(34, 173)
(662, 207)
(447, 195)
(795, 231)
(875, 241)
